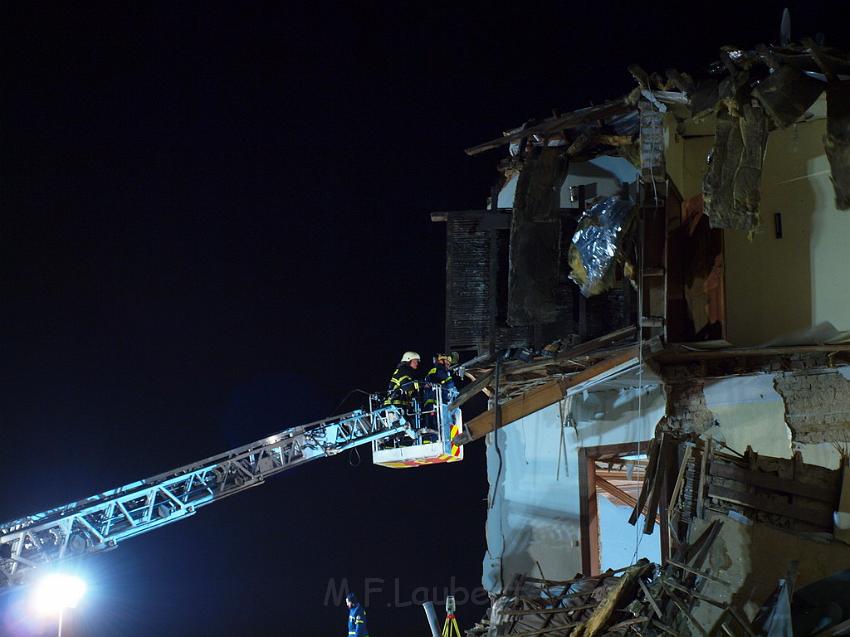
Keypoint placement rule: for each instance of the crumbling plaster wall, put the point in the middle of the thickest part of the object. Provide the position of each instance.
(751, 558)
(775, 414)
(534, 513)
(778, 285)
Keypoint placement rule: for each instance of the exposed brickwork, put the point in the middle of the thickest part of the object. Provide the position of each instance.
(817, 405)
(674, 370)
(686, 408)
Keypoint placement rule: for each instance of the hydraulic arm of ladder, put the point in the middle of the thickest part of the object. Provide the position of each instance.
(102, 521)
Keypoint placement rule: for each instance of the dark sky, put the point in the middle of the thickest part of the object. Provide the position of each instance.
(215, 224)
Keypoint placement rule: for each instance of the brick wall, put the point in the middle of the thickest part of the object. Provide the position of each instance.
(686, 408)
(817, 405)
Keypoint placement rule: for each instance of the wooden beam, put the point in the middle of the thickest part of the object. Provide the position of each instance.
(588, 513)
(557, 124)
(662, 466)
(540, 397)
(816, 516)
(673, 354)
(772, 482)
(619, 494)
(470, 390)
(596, 343)
(837, 629)
(844, 502)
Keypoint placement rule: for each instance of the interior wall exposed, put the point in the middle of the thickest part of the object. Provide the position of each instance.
(605, 173)
(534, 513)
(750, 412)
(618, 538)
(778, 285)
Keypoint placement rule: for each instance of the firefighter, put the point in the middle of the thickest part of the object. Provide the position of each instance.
(440, 374)
(404, 383)
(403, 389)
(356, 617)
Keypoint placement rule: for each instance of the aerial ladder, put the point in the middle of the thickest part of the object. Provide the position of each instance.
(399, 437)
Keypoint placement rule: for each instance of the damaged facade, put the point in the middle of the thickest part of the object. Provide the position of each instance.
(655, 302)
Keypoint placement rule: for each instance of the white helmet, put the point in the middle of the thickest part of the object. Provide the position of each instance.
(409, 356)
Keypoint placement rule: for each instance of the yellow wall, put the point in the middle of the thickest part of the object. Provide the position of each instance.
(774, 286)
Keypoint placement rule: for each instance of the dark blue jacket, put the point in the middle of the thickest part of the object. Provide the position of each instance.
(357, 622)
(439, 375)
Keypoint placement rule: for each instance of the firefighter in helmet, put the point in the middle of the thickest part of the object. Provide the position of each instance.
(403, 390)
(404, 383)
(440, 375)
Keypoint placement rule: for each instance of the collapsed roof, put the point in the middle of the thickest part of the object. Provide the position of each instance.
(742, 97)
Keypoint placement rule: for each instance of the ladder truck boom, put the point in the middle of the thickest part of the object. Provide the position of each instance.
(102, 521)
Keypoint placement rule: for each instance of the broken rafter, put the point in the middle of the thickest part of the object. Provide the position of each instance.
(470, 390)
(555, 125)
(619, 494)
(543, 396)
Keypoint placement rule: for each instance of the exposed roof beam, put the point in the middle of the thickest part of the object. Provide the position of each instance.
(555, 125)
(545, 395)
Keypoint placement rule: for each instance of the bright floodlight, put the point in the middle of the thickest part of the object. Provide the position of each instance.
(55, 592)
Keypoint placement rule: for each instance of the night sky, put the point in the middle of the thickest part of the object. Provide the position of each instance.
(215, 225)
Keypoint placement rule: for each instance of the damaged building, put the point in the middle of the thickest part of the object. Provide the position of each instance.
(655, 302)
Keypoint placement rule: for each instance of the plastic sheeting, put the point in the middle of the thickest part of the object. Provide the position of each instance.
(597, 242)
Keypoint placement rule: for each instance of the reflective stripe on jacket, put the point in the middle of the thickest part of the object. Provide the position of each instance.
(439, 375)
(357, 622)
(403, 386)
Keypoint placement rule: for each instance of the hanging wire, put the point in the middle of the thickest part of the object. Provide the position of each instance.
(497, 423)
(564, 410)
(355, 452)
(347, 396)
(642, 254)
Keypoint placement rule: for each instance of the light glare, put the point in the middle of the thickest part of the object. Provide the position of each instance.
(57, 591)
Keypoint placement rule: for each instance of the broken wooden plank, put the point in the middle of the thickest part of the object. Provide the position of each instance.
(694, 594)
(470, 390)
(619, 494)
(623, 589)
(556, 124)
(838, 629)
(673, 353)
(742, 620)
(698, 572)
(538, 398)
(648, 479)
(579, 351)
(657, 485)
(843, 534)
(549, 611)
(543, 631)
(706, 451)
(772, 482)
(696, 553)
(816, 516)
(664, 627)
(684, 610)
(626, 623)
(650, 599)
(672, 510)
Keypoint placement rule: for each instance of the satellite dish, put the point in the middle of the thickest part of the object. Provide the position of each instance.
(785, 28)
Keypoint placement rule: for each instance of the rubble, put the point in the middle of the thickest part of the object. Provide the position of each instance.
(721, 505)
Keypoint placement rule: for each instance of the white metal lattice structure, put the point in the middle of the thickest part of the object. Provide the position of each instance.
(102, 521)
